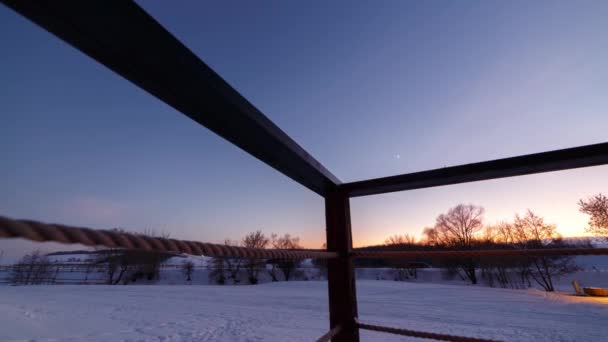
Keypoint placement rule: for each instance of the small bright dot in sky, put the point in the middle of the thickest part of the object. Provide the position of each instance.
(397, 156)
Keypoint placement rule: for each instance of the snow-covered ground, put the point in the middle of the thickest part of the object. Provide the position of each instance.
(290, 311)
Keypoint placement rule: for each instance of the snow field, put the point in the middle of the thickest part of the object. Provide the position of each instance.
(290, 311)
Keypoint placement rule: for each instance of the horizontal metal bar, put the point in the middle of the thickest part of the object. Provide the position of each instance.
(570, 158)
(419, 334)
(124, 38)
(478, 253)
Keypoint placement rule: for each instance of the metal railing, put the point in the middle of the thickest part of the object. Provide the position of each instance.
(134, 45)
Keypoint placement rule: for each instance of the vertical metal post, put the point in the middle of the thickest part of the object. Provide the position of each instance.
(341, 271)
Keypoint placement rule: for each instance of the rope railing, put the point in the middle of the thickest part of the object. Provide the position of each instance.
(39, 231)
(478, 253)
(330, 334)
(420, 334)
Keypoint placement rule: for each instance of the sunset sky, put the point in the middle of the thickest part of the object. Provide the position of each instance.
(370, 89)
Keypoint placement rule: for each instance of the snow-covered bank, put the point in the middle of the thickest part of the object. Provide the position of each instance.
(290, 311)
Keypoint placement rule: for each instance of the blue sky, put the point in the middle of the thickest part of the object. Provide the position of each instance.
(369, 88)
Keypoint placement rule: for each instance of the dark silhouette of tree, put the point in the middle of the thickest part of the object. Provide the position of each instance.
(460, 225)
(125, 265)
(286, 266)
(253, 266)
(458, 229)
(188, 269)
(33, 269)
(430, 237)
(405, 239)
(403, 269)
(532, 232)
(223, 269)
(597, 208)
(218, 271)
(505, 272)
(128, 266)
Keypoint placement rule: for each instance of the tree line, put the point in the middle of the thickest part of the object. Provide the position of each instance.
(119, 266)
(125, 266)
(230, 270)
(462, 228)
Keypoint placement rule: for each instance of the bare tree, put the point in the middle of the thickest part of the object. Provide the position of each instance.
(218, 270)
(89, 266)
(253, 266)
(273, 271)
(460, 225)
(500, 271)
(112, 266)
(405, 239)
(597, 208)
(502, 232)
(403, 268)
(226, 268)
(531, 231)
(286, 266)
(33, 269)
(188, 269)
(148, 262)
(126, 265)
(115, 260)
(430, 236)
(149, 232)
(458, 228)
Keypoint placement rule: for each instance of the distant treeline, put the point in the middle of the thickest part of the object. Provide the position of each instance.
(462, 228)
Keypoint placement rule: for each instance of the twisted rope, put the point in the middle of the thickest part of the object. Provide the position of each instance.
(420, 334)
(479, 253)
(330, 334)
(38, 231)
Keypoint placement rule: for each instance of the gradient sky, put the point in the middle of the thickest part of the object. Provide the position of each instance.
(369, 88)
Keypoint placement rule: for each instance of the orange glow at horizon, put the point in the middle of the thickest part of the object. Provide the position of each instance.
(553, 196)
(567, 226)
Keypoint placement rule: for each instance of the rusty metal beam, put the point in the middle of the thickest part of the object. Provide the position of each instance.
(570, 158)
(341, 270)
